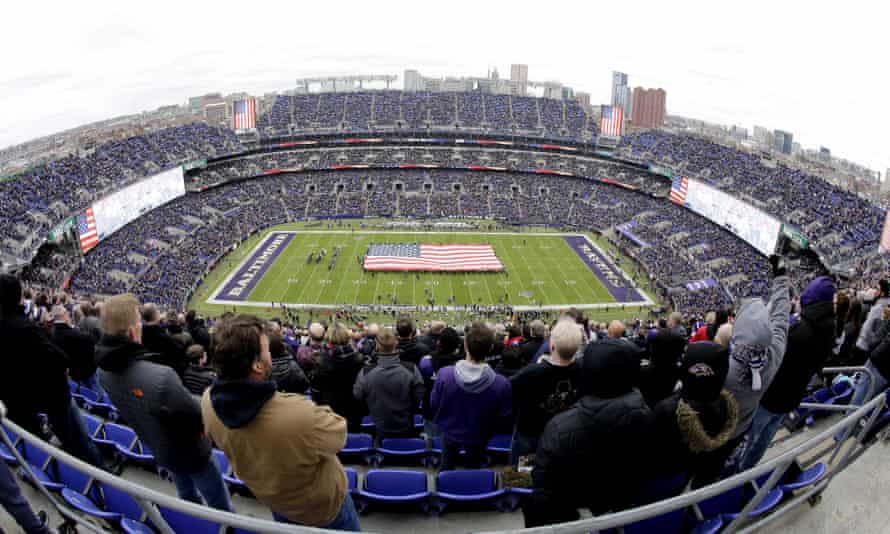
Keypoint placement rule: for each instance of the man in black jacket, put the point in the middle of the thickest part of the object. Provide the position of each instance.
(35, 377)
(810, 342)
(155, 338)
(593, 454)
(542, 390)
(78, 347)
(152, 399)
(196, 327)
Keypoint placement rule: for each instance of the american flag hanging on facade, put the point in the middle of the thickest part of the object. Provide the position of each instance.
(611, 121)
(86, 229)
(679, 187)
(415, 257)
(245, 114)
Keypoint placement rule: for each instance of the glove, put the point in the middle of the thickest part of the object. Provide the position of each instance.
(777, 263)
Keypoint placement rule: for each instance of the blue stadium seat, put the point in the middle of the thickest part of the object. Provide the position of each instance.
(43, 466)
(228, 474)
(402, 449)
(470, 485)
(809, 477)
(418, 422)
(367, 425)
(658, 489)
(96, 403)
(668, 523)
(127, 444)
(394, 486)
(769, 502)
(185, 523)
(358, 445)
(499, 447)
(351, 479)
(121, 502)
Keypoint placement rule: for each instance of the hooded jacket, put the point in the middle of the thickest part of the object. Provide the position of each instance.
(392, 390)
(169, 351)
(592, 455)
(868, 335)
(690, 435)
(880, 356)
(809, 346)
(468, 401)
(411, 350)
(79, 348)
(281, 445)
(759, 337)
(152, 399)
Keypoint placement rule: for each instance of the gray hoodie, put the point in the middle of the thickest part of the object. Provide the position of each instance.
(473, 377)
(868, 336)
(759, 336)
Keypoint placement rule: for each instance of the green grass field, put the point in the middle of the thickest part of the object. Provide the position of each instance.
(542, 270)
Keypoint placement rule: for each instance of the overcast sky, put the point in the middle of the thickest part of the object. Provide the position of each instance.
(816, 69)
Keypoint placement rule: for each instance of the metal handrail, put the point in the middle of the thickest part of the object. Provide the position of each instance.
(775, 466)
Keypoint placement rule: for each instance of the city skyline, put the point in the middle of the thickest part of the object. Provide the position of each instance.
(89, 66)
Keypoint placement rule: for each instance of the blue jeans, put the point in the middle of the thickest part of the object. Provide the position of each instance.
(69, 427)
(522, 445)
(347, 518)
(207, 482)
(763, 428)
(14, 502)
(860, 393)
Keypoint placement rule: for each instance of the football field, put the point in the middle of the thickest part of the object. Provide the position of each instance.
(540, 270)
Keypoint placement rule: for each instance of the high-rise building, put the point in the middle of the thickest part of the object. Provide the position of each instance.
(583, 98)
(621, 93)
(519, 73)
(628, 102)
(783, 141)
(762, 136)
(413, 81)
(648, 107)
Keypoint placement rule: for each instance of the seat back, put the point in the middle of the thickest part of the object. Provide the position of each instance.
(94, 424)
(181, 522)
(221, 461)
(466, 482)
(89, 394)
(72, 477)
(501, 442)
(404, 445)
(728, 502)
(120, 502)
(123, 435)
(35, 456)
(395, 482)
(659, 489)
(359, 441)
(351, 478)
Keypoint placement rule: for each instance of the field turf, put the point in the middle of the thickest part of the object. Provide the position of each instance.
(541, 270)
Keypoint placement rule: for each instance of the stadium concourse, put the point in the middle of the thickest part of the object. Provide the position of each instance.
(711, 378)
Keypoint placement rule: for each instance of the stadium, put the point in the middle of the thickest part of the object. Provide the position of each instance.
(415, 212)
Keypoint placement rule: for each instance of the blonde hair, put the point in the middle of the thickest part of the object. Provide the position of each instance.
(566, 338)
(338, 334)
(119, 313)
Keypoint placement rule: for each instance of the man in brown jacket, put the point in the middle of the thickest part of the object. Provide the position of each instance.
(281, 445)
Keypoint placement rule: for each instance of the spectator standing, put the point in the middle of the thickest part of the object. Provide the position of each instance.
(311, 353)
(542, 390)
(198, 376)
(392, 389)
(35, 377)
(410, 350)
(606, 435)
(151, 398)
(282, 445)
(156, 339)
(78, 347)
(810, 341)
(468, 400)
(336, 375)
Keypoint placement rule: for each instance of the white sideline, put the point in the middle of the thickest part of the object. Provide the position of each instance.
(215, 297)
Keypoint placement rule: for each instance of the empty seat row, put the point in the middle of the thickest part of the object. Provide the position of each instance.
(427, 452)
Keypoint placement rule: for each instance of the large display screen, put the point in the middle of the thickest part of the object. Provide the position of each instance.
(737, 216)
(121, 207)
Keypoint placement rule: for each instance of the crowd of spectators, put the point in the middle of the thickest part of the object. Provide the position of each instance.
(41, 198)
(474, 111)
(581, 399)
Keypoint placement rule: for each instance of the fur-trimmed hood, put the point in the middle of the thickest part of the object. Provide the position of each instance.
(693, 431)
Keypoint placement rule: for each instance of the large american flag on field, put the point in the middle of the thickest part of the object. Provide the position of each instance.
(611, 121)
(420, 257)
(245, 114)
(86, 229)
(679, 187)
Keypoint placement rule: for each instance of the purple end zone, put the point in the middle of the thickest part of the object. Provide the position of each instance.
(603, 269)
(251, 272)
